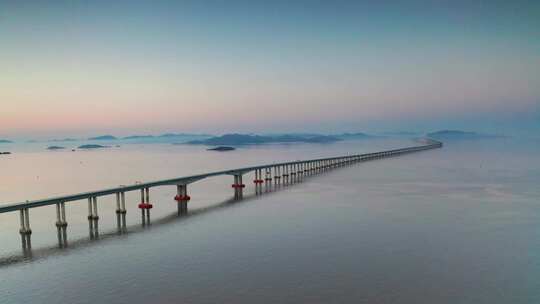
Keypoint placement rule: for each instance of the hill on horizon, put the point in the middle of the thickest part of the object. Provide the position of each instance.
(459, 135)
(245, 139)
(103, 137)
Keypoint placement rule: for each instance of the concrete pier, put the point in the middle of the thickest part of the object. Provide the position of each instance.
(145, 206)
(182, 198)
(238, 186)
(61, 224)
(121, 212)
(25, 230)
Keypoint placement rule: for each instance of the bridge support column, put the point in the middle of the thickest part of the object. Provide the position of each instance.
(238, 186)
(92, 208)
(261, 180)
(292, 173)
(25, 230)
(268, 178)
(258, 181)
(276, 176)
(182, 198)
(285, 175)
(61, 224)
(93, 217)
(121, 212)
(145, 206)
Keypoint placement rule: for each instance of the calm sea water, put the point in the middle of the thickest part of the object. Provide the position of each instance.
(452, 225)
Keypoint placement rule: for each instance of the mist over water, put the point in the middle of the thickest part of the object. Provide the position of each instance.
(451, 225)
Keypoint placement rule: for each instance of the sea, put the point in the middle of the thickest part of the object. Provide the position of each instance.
(460, 224)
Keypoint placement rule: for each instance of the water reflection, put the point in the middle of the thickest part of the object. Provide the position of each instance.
(93, 228)
(26, 244)
(121, 222)
(62, 236)
(145, 217)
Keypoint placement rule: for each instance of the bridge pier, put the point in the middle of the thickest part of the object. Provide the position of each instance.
(268, 178)
(92, 208)
(293, 173)
(25, 230)
(121, 212)
(121, 203)
(276, 176)
(145, 206)
(285, 175)
(93, 217)
(182, 198)
(61, 224)
(258, 181)
(238, 186)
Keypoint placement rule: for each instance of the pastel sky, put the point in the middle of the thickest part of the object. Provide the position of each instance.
(136, 67)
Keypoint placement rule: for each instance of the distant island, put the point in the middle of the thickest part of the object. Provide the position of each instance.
(103, 137)
(138, 137)
(402, 133)
(357, 135)
(5, 153)
(86, 147)
(458, 135)
(222, 149)
(5, 141)
(183, 135)
(147, 136)
(55, 148)
(244, 139)
(63, 140)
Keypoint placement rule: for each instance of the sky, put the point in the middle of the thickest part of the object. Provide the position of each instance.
(77, 68)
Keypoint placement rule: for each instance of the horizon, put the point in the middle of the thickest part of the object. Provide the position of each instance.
(403, 133)
(80, 69)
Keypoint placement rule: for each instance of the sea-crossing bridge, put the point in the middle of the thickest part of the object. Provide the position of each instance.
(267, 175)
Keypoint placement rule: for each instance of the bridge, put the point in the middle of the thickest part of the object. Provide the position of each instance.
(267, 175)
